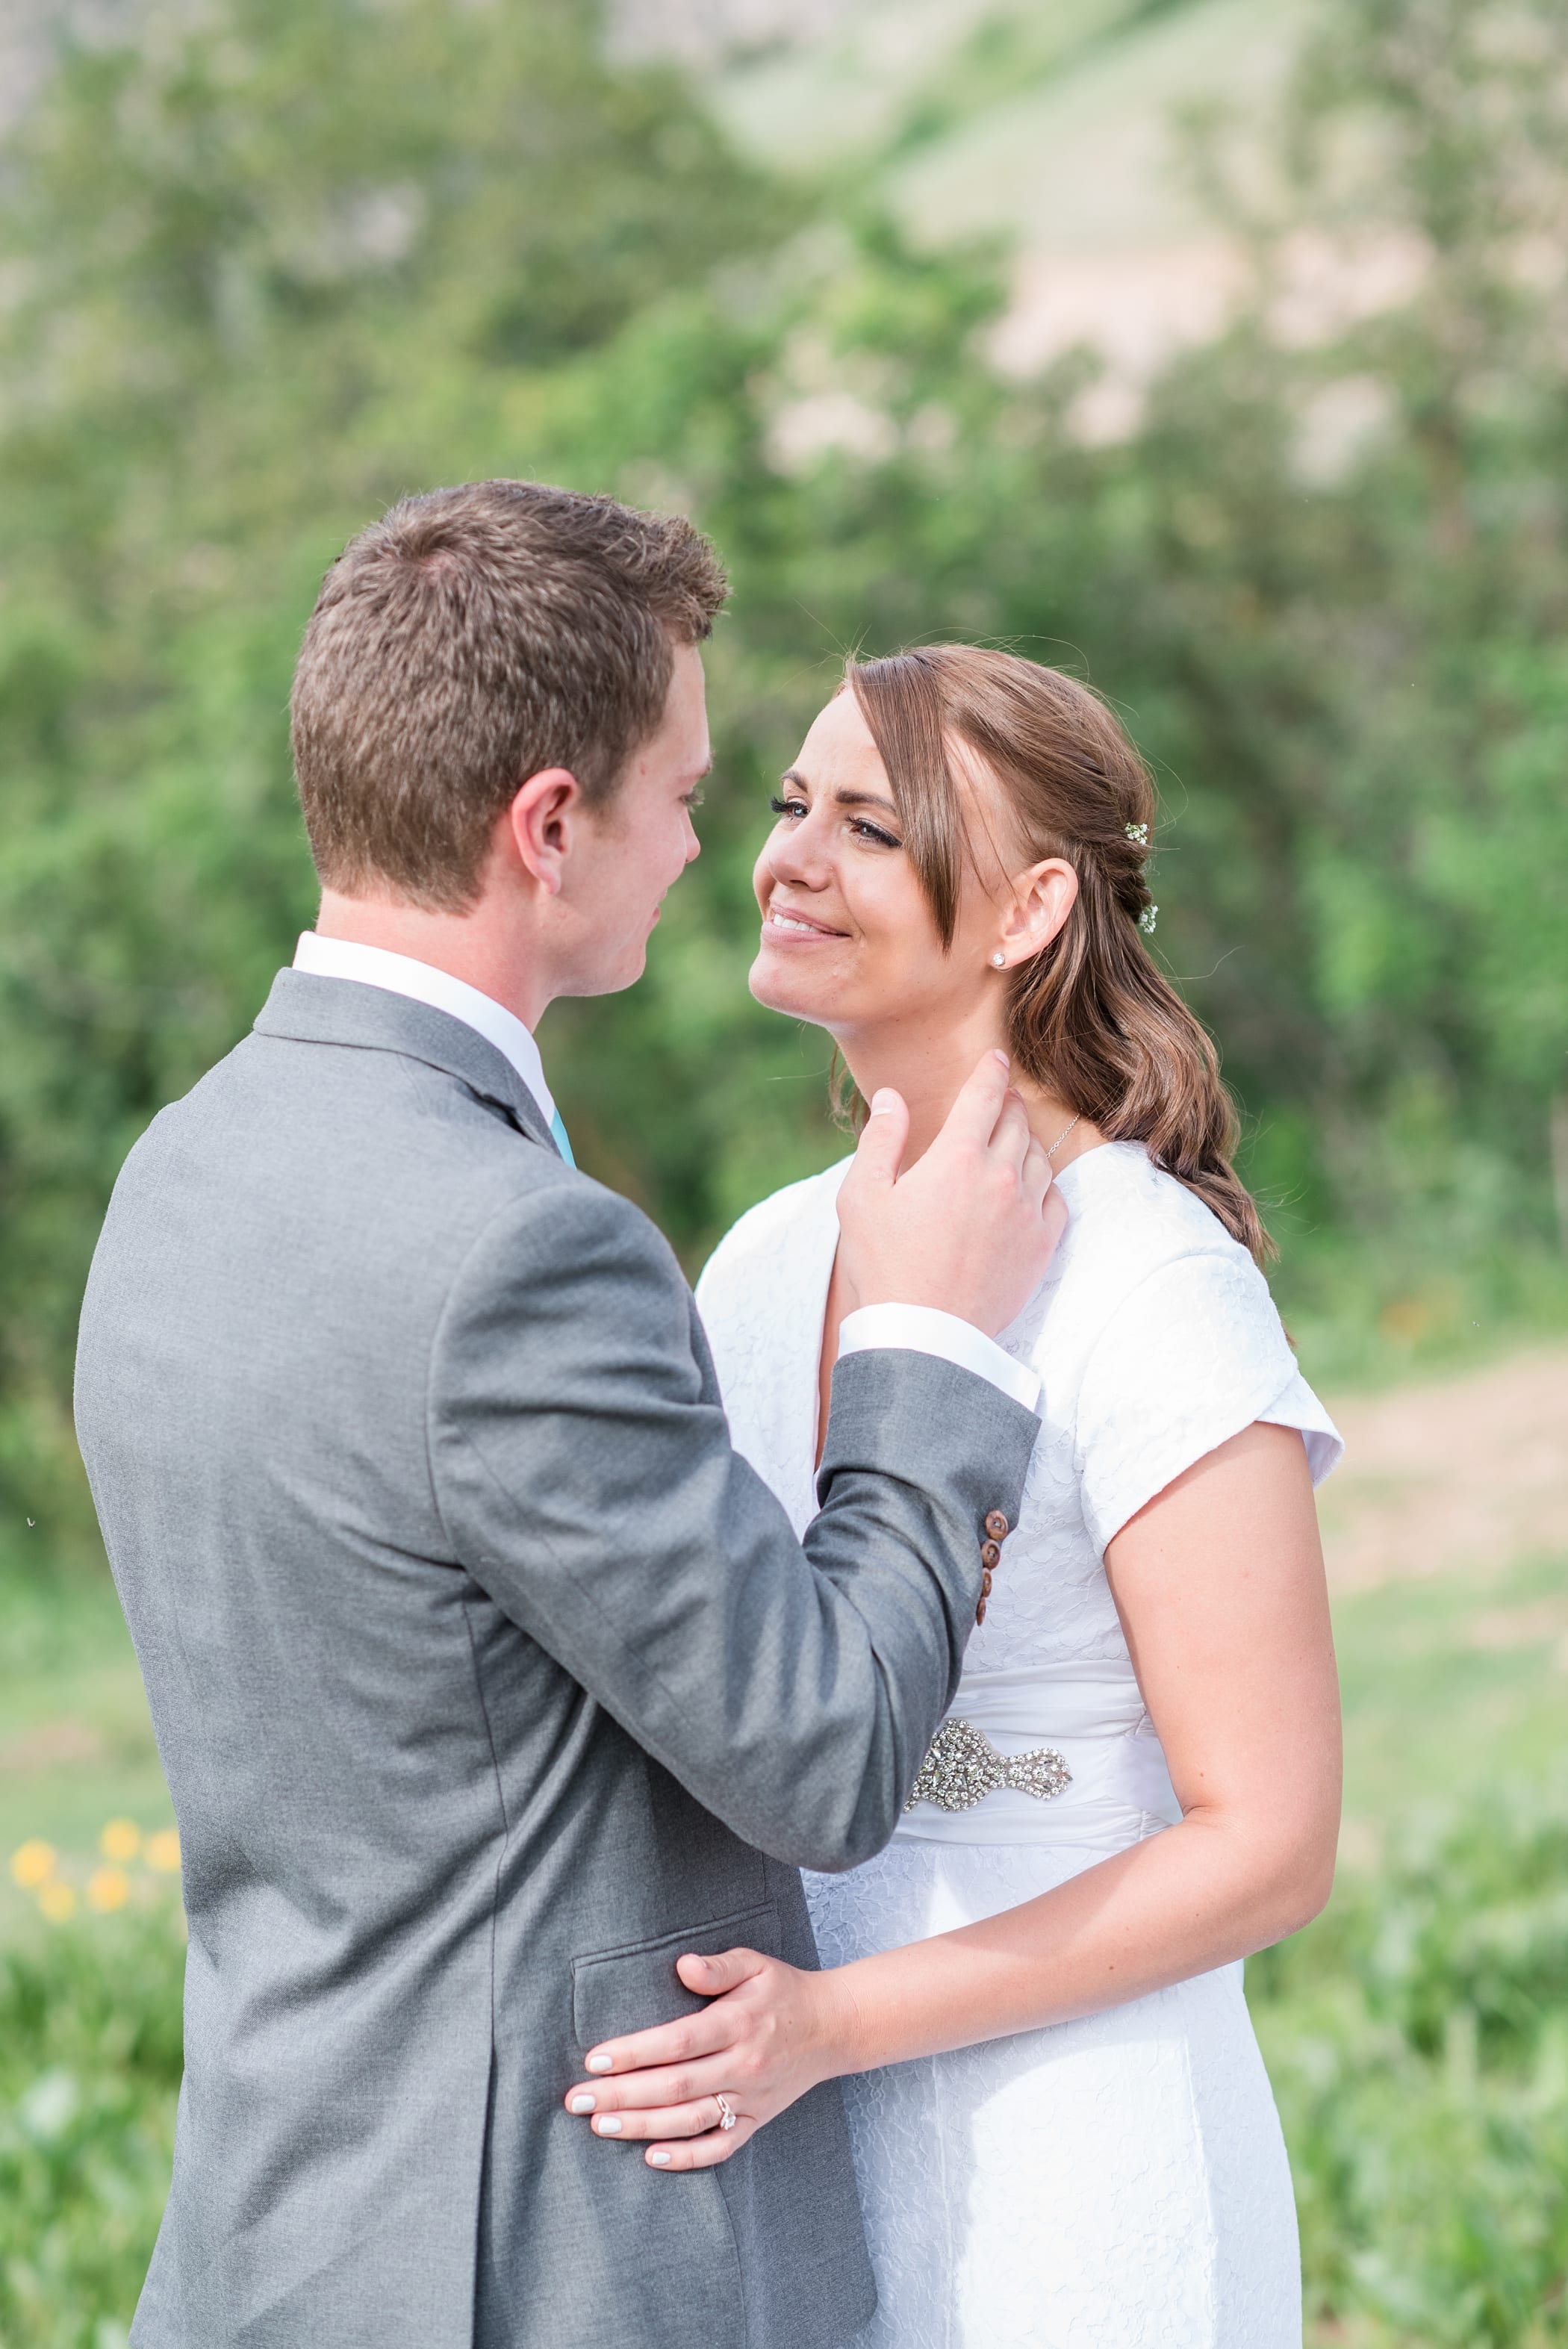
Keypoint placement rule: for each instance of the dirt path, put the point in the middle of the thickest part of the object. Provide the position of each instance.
(1464, 1473)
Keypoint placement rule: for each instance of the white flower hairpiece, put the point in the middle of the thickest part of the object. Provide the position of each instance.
(1138, 834)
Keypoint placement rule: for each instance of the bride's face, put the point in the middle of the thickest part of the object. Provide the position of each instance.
(849, 941)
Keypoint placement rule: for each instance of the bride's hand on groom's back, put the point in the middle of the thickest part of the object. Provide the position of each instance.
(971, 1227)
(771, 2032)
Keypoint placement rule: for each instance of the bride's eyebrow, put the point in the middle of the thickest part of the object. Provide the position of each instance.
(843, 798)
(863, 799)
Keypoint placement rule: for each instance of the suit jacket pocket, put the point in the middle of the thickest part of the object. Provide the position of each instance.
(634, 1987)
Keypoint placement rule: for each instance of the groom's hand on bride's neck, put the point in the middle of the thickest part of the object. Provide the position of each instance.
(971, 1227)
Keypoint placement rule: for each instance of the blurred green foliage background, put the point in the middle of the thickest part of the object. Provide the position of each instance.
(264, 265)
(269, 262)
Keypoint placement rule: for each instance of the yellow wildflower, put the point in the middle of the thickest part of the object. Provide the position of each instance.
(120, 1840)
(108, 1887)
(57, 1902)
(163, 1851)
(32, 1863)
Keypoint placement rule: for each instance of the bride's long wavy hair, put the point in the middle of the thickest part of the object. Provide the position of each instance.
(1092, 1017)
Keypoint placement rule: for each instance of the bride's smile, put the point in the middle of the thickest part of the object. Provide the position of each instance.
(785, 926)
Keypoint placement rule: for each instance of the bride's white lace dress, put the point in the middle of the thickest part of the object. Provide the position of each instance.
(1121, 2182)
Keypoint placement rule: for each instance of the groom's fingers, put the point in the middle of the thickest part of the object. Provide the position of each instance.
(972, 1118)
(880, 1151)
(1011, 1139)
(1035, 1174)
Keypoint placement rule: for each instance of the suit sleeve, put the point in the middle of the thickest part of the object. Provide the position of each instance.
(584, 1472)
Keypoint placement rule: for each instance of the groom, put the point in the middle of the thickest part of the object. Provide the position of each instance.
(487, 1679)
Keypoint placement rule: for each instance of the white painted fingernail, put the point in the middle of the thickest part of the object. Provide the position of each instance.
(609, 2126)
(659, 2160)
(584, 2104)
(599, 2063)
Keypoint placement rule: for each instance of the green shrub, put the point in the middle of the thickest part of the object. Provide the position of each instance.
(1418, 2041)
(89, 2074)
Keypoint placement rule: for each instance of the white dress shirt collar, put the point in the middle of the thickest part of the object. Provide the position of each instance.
(401, 974)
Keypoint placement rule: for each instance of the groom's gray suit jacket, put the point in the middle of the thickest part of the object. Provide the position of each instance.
(487, 1679)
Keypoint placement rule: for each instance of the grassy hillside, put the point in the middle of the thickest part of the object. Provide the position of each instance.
(1050, 122)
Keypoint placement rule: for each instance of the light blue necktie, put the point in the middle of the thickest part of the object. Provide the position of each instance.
(559, 1131)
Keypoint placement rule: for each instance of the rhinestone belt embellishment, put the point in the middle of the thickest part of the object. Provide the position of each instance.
(962, 1767)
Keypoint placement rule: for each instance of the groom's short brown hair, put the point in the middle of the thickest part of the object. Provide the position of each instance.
(468, 639)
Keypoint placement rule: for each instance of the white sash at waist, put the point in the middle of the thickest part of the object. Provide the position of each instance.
(1093, 1713)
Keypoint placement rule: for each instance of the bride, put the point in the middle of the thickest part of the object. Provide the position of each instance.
(1063, 2132)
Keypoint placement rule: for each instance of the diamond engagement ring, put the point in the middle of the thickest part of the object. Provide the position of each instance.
(726, 2112)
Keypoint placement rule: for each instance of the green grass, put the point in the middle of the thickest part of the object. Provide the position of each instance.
(1416, 2036)
(75, 1743)
(1449, 1687)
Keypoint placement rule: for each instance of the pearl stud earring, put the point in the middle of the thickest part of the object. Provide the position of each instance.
(999, 960)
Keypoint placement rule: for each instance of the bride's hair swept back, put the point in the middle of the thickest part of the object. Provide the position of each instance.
(1091, 1016)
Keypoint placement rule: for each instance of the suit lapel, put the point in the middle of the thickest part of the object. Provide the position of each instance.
(310, 1009)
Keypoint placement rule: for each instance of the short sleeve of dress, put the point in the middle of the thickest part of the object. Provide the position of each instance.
(1192, 1356)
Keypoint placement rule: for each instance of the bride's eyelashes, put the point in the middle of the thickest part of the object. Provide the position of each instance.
(861, 827)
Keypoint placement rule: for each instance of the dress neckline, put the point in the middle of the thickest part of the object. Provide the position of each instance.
(1068, 1179)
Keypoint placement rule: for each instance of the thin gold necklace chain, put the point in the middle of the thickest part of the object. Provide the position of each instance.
(1062, 1136)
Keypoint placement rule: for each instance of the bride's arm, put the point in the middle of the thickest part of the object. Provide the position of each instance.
(1220, 1585)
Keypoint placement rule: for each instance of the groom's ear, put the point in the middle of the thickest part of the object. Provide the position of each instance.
(538, 826)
